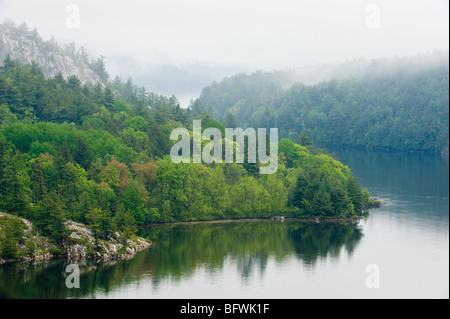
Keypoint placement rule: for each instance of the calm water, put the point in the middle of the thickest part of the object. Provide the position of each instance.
(408, 241)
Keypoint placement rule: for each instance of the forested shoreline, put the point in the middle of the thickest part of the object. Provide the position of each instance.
(396, 105)
(98, 155)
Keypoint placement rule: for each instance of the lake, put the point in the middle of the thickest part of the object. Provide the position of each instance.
(400, 250)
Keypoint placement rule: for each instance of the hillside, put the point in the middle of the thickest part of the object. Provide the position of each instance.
(98, 155)
(398, 104)
(70, 152)
(27, 46)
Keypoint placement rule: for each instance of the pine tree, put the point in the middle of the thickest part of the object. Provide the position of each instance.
(356, 194)
(62, 157)
(35, 69)
(39, 188)
(230, 121)
(97, 94)
(126, 224)
(50, 217)
(2, 90)
(82, 207)
(15, 198)
(8, 64)
(82, 153)
(5, 150)
(101, 223)
(99, 67)
(305, 140)
(73, 82)
(322, 203)
(13, 234)
(108, 99)
(300, 190)
(8, 245)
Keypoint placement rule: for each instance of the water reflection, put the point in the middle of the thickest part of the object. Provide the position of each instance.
(421, 178)
(180, 250)
(416, 185)
(408, 239)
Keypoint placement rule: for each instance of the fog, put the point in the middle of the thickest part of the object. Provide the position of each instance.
(187, 44)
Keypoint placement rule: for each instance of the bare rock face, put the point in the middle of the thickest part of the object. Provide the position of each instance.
(81, 244)
(27, 46)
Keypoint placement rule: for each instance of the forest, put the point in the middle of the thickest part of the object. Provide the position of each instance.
(401, 106)
(98, 155)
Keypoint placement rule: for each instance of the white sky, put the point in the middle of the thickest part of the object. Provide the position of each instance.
(262, 34)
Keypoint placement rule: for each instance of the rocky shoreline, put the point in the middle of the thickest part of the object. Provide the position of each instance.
(375, 203)
(81, 244)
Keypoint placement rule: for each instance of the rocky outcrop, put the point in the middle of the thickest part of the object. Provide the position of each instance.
(27, 46)
(278, 218)
(375, 203)
(80, 244)
(33, 246)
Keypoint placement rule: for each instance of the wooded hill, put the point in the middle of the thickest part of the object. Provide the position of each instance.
(98, 155)
(400, 103)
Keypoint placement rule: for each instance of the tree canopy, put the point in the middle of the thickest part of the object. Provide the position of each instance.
(99, 155)
(402, 107)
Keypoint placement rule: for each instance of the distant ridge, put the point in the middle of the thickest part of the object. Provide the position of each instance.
(390, 103)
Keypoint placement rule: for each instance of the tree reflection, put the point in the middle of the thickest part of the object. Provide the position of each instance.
(179, 250)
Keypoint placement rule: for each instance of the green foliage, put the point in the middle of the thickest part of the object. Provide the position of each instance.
(126, 224)
(82, 154)
(6, 116)
(134, 201)
(102, 160)
(12, 229)
(99, 67)
(216, 124)
(101, 223)
(13, 192)
(137, 124)
(305, 140)
(318, 194)
(50, 217)
(405, 107)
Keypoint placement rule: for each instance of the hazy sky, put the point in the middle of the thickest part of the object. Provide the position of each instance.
(263, 34)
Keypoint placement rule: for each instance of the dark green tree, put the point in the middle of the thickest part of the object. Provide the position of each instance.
(305, 140)
(73, 82)
(230, 120)
(51, 217)
(39, 188)
(356, 194)
(13, 231)
(8, 64)
(62, 157)
(15, 199)
(108, 101)
(126, 224)
(101, 223)
(82, 154)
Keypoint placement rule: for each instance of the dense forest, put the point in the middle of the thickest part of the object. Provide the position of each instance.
(402, 106)
(97, 154)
